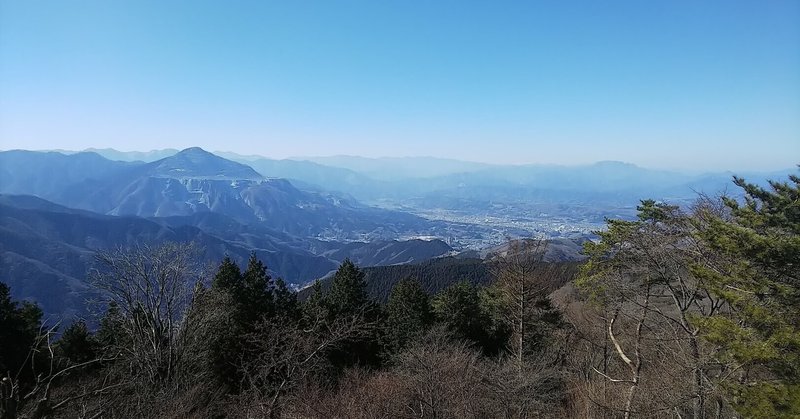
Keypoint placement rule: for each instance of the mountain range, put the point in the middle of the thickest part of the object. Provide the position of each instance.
(428, 182)
(301, 217)
(57, 210)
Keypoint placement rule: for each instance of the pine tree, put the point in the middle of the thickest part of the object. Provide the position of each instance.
(228, 276)
(315, 307)
(111, 332)
(251, 290)
(760, 240)
(19, 325)
(348, 292)
(255, 294)
(347, 302)
(285, 301)
(77, 344)
(408, 314)
(459, 308)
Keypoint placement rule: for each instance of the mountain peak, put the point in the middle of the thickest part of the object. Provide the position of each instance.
(194, 150)
(194, 162)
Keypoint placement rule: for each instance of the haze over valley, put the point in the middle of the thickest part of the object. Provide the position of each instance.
(413, 209)
(300, 216)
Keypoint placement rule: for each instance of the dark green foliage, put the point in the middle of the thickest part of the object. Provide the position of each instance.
(760, 239)
(408, 315)
(433, 275)
(285, 301)
(212, 341)
(228, 276)
(460, 309)
(19, 326)
(77, 344)
(348, 299)
(111, 332)
(255, 293)
(348, 293)
(315, 306)
(251, 290)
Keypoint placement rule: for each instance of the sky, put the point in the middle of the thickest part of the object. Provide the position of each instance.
(695, 85)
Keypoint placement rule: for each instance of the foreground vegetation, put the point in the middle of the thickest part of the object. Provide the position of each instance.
(680, 313)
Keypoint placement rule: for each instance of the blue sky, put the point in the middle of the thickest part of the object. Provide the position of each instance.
(676, 84)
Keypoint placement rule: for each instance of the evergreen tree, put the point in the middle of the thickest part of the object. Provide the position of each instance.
(348, 292)
(212, 338)
(19, 326)
(459, 308)
(760, 240)
(111, 332)
(408, 315)
(77, 344)
(251, 290)
(315, 307)
(228, 276)
(347, 302)
(285, 301)
(255, 293)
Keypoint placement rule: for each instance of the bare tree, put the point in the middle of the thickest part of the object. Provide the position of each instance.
(287, 353)
(150, 285)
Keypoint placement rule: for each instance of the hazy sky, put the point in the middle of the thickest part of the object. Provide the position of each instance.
(669, 84)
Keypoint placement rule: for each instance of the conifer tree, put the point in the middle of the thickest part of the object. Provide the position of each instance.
(408, 314)
(19, 325)
(459, 308)
(315, 307)
(77, 344)
(228, 276)
(255, 293)
(760, 240)
(285, 300)
(348, 292)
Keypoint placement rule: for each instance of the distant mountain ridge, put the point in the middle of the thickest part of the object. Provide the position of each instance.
(46, 249)
(195, 181)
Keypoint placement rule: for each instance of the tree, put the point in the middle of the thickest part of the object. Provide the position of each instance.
(348, 293)
(640, 273)
(77, 344)
(210, 341)
(759, 243)
(111, 333)
(523, 281)
(228, 276)
(459, 308)
(28, 390)
(285, 301)
(408, 315)
(252, 290)
(315, 307)
(150, 288)
(347, 299)
(19, 327)
(255, 292)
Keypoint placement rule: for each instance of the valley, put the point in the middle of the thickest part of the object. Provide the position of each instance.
(58, 209)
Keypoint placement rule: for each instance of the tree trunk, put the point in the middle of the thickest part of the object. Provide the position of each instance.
(699, 401)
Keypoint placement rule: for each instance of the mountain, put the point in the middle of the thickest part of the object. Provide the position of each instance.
(399, 168)
(389, 252)
(195, 181)
(144, 156)
(435, 275)
(46, 249)
(46, 174)
(316, 177)
(196, 163)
